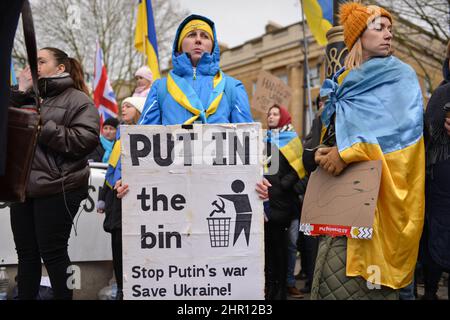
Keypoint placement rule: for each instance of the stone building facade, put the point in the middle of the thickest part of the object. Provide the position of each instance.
(280, 52)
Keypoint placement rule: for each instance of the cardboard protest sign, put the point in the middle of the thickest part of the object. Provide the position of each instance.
(192, 222)
(270, 90)
(342, 205)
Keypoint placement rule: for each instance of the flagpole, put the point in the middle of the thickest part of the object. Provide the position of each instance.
(145, 49)
(306, 70)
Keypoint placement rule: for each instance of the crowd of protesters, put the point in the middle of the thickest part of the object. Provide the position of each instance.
(371, 109)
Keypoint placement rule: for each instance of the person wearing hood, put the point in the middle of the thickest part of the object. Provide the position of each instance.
(196, 89)
(284, 169)
(144, 80)
(435, 242)
(59, 175)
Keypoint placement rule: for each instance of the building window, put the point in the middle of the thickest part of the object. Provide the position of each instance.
(253, 87)
(283, 77)
(314, 76)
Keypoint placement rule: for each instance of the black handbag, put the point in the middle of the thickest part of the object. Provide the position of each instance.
(23, 127)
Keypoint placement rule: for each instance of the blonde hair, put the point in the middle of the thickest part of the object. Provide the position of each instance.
(354, 58)
(136, 117)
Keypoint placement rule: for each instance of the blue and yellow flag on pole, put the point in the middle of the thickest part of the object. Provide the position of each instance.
(319, 16)
(145, 36)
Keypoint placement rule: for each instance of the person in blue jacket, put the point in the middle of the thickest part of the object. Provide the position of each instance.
(195, 90)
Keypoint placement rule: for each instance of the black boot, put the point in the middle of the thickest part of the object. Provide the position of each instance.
(429, 296)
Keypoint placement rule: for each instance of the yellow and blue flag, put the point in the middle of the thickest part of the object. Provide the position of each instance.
(319, 16)
(114, 171)
(290, 147)
(12, 79)
(145, 36)
(379, 116)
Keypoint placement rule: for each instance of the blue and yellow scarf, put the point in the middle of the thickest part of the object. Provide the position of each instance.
(184, 94)
(114, 171)
(107, 146)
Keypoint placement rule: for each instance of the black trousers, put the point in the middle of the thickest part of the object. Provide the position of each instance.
(41, 229)
(276, 256)
(432, 273)
(308, 247)
(116, 245)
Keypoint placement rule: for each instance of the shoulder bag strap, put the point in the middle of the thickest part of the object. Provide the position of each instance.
(30, 42)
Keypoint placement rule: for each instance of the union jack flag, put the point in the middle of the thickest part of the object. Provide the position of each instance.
(104, 97)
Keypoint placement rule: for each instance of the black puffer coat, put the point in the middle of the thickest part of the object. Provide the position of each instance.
(70, 131)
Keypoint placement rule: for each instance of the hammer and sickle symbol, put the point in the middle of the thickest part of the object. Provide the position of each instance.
(221, 208)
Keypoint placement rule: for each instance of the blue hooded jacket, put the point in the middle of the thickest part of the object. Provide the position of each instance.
(163, 109)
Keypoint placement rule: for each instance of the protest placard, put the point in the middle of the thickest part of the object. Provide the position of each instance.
(192, 222)
(342, 205)
(270, 90)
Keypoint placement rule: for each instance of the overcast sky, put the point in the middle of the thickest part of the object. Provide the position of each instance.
(240, 20)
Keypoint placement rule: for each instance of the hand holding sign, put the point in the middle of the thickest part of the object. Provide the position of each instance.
(189, 212)
(262, 188)
(329, 159)
(122, 190)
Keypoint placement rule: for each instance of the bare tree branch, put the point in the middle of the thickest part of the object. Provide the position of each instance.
(75, 25)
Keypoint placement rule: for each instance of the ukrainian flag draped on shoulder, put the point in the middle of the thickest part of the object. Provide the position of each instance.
(379, 116)
(12, 78)
(319, 16)
(182, 92)
(145, 36)
(114, 172)
(290, 147)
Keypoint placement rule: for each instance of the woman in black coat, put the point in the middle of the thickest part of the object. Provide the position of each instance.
(435, 243)
(283, 205)
(59, 176)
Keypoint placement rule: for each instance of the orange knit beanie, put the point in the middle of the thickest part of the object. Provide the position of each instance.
(355, 17)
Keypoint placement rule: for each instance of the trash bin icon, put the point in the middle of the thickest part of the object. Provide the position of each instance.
(219, 232)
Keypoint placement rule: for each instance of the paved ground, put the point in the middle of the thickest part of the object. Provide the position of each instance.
(442, 292)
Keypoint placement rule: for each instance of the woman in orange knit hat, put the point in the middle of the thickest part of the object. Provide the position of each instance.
(374, 111)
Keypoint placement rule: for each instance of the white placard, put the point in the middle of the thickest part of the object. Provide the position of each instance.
(192, 221)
